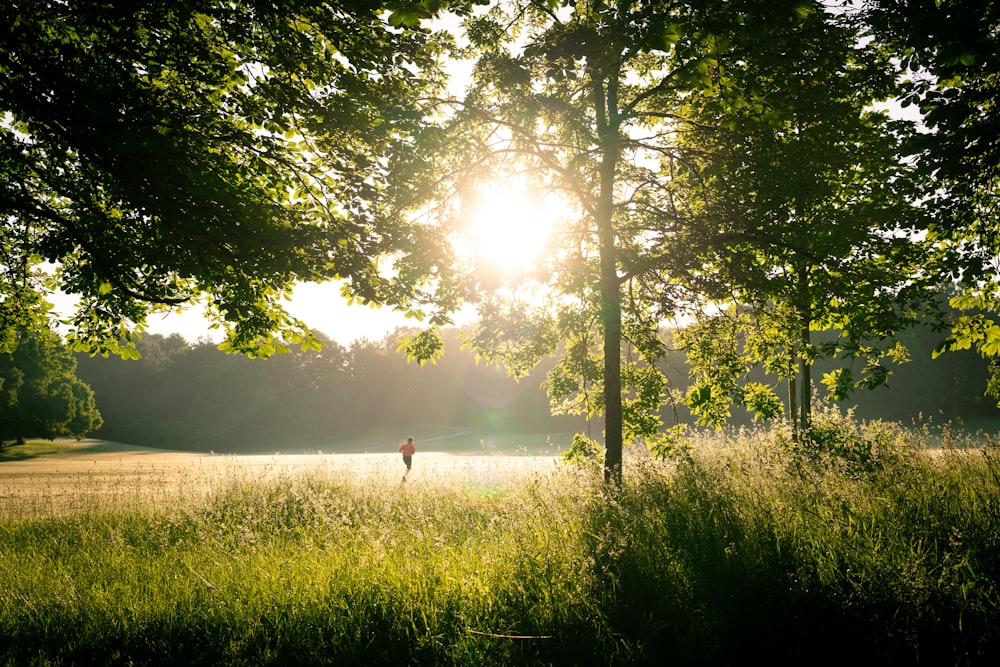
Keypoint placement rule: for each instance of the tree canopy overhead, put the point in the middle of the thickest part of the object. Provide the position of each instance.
(724, 152)
(158, 152)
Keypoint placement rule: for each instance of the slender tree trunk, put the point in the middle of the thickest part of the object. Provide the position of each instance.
(606, 103)
(805, 375)
(793, 406)
(804, 310)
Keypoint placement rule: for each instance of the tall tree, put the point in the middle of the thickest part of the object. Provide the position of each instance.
(813, 218)
(40, 394)
(950, 54)
(590, 97)
(164, 151)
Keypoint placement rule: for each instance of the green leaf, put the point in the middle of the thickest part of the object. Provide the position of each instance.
(762, 401)
(991, 345)
(409, 17)
(803, 11)
(965, 302)
(424, 347)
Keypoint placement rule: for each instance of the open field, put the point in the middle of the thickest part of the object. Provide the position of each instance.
(453, 440)
(746, 549)
(65, 475)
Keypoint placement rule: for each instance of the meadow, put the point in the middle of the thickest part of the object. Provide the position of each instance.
(745, 548)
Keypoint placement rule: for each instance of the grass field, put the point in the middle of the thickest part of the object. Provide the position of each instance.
(745, 550)
(453, 440)
(46, 478)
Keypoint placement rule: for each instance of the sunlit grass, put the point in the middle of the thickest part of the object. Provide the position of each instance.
(743, 552)
(464, 441)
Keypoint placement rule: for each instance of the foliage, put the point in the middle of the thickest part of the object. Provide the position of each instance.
(725, 348)
(697, 173)
(217, 151)
(951, 62)
(804, 230)
(591, 101)
(422, 347)
(929, 385)
(40, 394)
(975, 328)
(854, 448)
(730, 556)
(583, 451)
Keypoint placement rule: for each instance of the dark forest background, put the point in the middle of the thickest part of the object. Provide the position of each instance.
(192, 396)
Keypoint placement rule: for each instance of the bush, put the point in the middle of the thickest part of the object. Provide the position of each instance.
(838, 439)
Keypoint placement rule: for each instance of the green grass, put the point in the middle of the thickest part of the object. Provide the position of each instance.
(747, 550)
(35, 448)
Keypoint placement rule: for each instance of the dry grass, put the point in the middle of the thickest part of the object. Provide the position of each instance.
(51, 478)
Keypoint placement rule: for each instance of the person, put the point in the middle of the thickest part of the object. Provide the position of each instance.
(408, 449)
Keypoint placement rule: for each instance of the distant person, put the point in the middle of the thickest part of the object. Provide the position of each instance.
(408, 449)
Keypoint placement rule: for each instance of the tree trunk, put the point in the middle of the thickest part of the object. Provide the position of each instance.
(611, 316)
(805, 376)
(793, 406)
(804, 310)
(606, 104)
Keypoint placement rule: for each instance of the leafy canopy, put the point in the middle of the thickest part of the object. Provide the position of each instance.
(950, 55)
(810, 217)
(160, 152)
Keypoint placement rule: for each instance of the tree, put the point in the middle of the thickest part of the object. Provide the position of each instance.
(814, 222)
(950, 52)
(590, 97)
(165, 151)
(40, 394)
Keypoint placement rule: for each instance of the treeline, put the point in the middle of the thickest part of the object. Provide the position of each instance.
(192, 396)
(949, 388)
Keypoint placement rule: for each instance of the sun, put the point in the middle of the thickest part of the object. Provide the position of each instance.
(506, 228)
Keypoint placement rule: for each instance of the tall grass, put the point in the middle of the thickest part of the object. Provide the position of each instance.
(747, 550)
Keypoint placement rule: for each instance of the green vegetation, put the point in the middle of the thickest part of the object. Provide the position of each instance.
(283, 140)
(40, 394)
(195, 397)
(365, 398)
(744, 549)
(688, 157)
